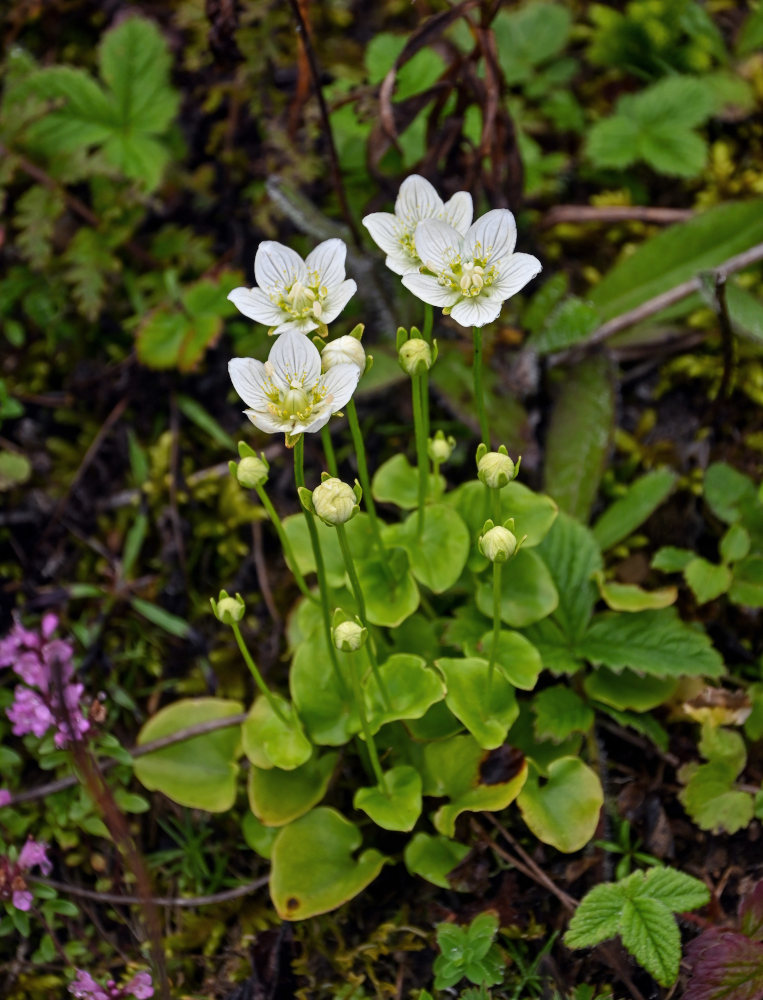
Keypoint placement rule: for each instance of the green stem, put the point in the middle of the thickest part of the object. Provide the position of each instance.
(320, 569)
(328, 450)
(421, 447)
(370, 745)
(496, 499)
(478, 386)
(349, 565)
(496, 623)
(365, 482)
(285, 543)
(264, 689)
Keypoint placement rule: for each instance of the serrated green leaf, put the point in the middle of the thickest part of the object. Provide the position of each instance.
(597, 918)
(650, 933)
(670, 559)
(747, 586)
(622, 518)
(37, 211)
(712, 800)
(678, 891)
(530, 36)
(626, 690)
(750, 37)
(559, 712)
(572, 556)
(579, 436)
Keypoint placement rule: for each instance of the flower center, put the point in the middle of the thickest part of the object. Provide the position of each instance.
(297, 403)
(303, 300)
(468, 277)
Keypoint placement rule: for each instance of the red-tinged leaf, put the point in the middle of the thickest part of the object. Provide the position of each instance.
(751, 914)
(724, 966)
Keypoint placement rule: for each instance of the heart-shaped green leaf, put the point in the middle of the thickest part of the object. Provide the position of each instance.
(326, 709)
(396, 481)
(433, 857)
(201, 772)
(486, 705)
(313, 868)
(277, 797)
(271, 741)
(396, 805)
(389, 588)
(439, 554)
(527, 591)
(411, 685)
(516, 657)
(564, 810)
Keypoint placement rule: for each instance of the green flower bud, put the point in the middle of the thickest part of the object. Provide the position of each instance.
(498, 544)
(415, 356)
(342, 351)
(440, 448)
(228, 610)
(496, 469)
(349, 636)
(251, 472)
(334, 501)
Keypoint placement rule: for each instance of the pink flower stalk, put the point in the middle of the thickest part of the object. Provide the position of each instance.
(49, 697)
(84, 987)
(13, 886)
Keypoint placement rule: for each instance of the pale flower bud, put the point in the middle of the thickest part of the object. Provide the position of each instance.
(228, 609)
(440, 448)
(415, 356)
(334, 501)
(349, 636)
(342, 351)
(495, 469)
(251, 472)
(498, 544)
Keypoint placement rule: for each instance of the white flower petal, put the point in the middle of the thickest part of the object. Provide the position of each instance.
(437, 244)
(304, 325)
(295, 357)
(328, 261)
(337, 299)
(277, 267)
(417, 200)
(459, 211)
(267, 422)
(249, 377)
(341, 381)
(428, 289)
(476, 311)
(321, 417)
(255, 304)
(514, 273)
(493, 236)
(403, 262)
(386, 231)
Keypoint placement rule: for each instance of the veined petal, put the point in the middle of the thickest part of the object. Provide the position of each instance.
(514, 273)
(385, 229)
(437, 244)
(403, 263)
(429, 289)
(255, 304)
(267, 422)
(303, 326)
(249, 379)
(492, 237)
(295, 357)
(341, 381)
(321, 417)
(337, 299)
(417, 200)
(277, 267)
(476, 311)
(328, 261)
(459, 211)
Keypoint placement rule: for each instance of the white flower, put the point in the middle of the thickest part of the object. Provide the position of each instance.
(416, 200)
(472, 275)
(288, 393)
(296, 294)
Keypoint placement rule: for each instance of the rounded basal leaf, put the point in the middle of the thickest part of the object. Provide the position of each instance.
(313, 869)
(258, 836)
(707, 580)
(277, 797)
(269, 741)
(438, 555)
(564, 811)
(326, 709)
(747, 588)
(396, 806)
(14, 470)
(433, 858)
(527, 591)
(412, 688)
(396, 481)
(201, 772)
(628, 690)
(516, 657)
(390, 593)
(629, 597)
(486, 705)
(438, 723)
(359, 538)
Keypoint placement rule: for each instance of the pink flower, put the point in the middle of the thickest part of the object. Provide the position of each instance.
(34, 852)
(84, 987)
(22, 899)
(5, 797)
(29, 713)
(13, 885)
(140, 986)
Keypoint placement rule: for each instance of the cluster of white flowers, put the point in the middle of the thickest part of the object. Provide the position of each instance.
(467, 269)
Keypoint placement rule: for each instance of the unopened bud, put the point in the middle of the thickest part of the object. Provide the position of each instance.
(334, 501)
(349, 636)
(440, 448)
(251, 472)
(495, 469)
(342, 351)
(498, 544)
(228, 610)
(415, 356)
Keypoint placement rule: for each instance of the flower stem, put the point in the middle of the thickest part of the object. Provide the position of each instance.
(328, 450)
(370, 745)
(428, 321)
(285, 543)
(365, 481)
(496, 623)
(264, 689)
(478, 386)
(419, 427)
(320, 569)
